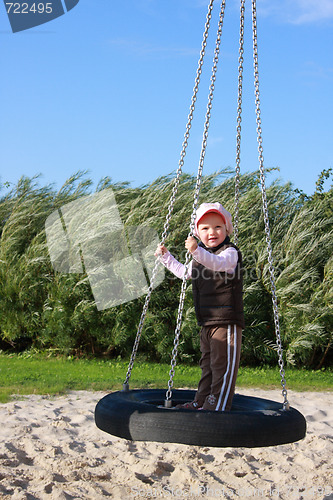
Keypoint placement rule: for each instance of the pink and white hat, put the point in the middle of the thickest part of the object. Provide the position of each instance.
(217, 208)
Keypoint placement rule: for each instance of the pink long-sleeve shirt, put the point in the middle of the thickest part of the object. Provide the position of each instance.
(223, 261)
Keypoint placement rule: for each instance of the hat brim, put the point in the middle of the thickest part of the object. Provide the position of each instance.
(211, 211)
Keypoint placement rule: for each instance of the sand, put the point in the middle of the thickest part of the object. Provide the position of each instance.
(51, 449)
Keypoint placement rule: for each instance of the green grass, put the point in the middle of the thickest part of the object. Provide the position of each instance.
(42, 374)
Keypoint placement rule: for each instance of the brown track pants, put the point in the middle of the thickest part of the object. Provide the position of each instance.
(220, 353)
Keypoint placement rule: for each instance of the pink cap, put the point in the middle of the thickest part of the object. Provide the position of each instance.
(217, 208)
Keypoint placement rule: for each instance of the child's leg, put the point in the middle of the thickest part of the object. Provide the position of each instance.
(225, 345)
(206, 372)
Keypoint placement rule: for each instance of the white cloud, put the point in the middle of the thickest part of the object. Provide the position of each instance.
(213, 140)
(297, 11)
(313, 71)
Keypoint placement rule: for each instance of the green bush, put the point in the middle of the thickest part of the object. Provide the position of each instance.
(44, 309)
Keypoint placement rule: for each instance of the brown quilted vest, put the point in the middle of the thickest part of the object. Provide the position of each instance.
(218, 296)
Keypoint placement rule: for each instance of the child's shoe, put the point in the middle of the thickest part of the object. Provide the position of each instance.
(193, 405)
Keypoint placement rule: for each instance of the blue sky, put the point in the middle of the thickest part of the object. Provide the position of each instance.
(107, 88)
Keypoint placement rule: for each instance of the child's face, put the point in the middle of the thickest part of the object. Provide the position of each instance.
(212, 230)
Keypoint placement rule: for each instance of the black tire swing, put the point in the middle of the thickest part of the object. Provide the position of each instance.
(150, 415)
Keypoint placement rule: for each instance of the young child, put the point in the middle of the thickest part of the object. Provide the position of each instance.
(216, 273)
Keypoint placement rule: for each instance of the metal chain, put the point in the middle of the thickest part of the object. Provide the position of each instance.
(239, 119)
(174, 191)
(265, 207)
(195, 204)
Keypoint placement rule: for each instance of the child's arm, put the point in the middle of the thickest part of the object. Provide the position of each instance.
(226, 261)
(171, 263)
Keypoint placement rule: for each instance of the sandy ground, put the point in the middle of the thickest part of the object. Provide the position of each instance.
(51, 449)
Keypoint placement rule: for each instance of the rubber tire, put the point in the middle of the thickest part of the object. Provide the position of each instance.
(139, 415)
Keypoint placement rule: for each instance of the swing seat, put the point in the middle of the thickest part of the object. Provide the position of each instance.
(140, 415)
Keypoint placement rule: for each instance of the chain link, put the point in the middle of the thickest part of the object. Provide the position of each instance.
(239, 119)
(265, 207)
(195, 203)
(174, 192)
